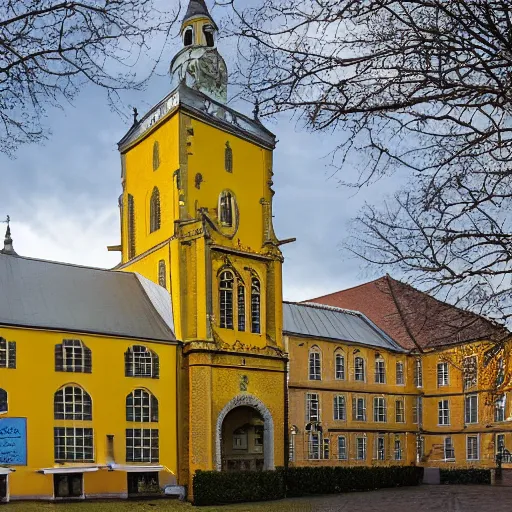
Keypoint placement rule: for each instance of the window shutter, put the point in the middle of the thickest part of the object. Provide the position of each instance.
(156, 366)
(58, 358)
(128, 367)
(12, 354)
(87, 360)
(354, 408)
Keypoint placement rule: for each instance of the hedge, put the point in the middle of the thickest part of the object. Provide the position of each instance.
(465, 476)
(218, 488)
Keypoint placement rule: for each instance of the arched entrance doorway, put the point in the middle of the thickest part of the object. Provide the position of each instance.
(244, 436)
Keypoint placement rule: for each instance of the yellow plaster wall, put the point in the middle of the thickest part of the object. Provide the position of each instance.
(108, 388)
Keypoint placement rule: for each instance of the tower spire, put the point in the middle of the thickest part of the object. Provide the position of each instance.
(8, 247)
(197, 9)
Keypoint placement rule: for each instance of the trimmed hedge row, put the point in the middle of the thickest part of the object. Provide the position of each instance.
(219, 488)
(465, 476)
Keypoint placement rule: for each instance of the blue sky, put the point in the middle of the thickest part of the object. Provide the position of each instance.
(62, 195)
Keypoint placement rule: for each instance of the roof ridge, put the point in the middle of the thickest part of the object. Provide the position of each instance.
(318, 305)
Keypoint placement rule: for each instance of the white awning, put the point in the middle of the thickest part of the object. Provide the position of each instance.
(68, 469)
(6, 471)
(135, 469)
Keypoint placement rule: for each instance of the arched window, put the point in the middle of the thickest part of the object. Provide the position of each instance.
(156, 155)
(162, 274)
(226, 299)
(241, 306)
(255, 306)
(141, 406)
(139, 361)
(226, 209)
(208, 35)
(315, 365)
(228, 158)
(188, 36)
(339, 366)
(380, 370)
(73, 356)
(131, 227)
(359, 370)
(72, 403)
(154, 211)
(4, 407)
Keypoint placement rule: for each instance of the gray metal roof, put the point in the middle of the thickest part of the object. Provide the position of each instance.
(327, 322)
(46, 294)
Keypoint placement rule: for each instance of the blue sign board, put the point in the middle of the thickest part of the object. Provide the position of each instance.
(13, 441)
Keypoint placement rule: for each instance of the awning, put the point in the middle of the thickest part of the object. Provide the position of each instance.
(135, 469)
(68, 469)
(6, 471)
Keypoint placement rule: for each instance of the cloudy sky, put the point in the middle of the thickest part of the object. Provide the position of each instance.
(62, 195)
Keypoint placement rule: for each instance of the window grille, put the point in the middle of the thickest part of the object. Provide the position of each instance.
(399, 411)
(73, 356)
(154, 211)
(315, 368)
(342, 448)
(241, 307)
(228, 158)
(7, 353)
(73, 444)
(380, 371)
(359, 409)
(499, 408)
(359, 369)
(4, 405)
(139, 361)
(361, 448)
(471, 409)
(312, 407)
(131, 227)
(400, 373)
(379, 409)
(398, 449)
(255, 306)
(472, 448)
(141, 406)
(156, 155)
(470, 372)
(314, 446)
(226, 299)
(142, 445)
(418, 373)
(442, 374)
(72, 403)
(449, 450)
(339, 407)
(162, 274)
(226, 209)
(340, 367)
(443, 412)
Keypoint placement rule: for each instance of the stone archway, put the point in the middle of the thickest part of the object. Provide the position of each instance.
(268, 428)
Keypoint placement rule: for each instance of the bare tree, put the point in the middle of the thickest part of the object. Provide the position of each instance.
(50, 49)
(423, 86)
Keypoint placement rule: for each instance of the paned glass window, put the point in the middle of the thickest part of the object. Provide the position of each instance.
(340, 367)
(398, 449)
(73, 444)
(142, 445)
(471, 409)
(380, 448)
(131, 227)
(339, 408)
(72, 403)
(443, 412)
(359, 369)
(226, 299)
(312, 407)
(418, 373)
(380, 371)
(326, 448)
(359, 409)
(470, 372)
(314, 446)
(342, 448)
(228, 158)
(379, 409)
(442, 374)
(241, 307)
(73, 356)
(4, 405)
(472, 448)
(315, 368)
(361, 448)
(141, 406)
(154, 211)
(255, 306)
(141, 362)
(500, 443)
(7, 353)
(420, 447)
(400, 380)
(499, 408)
(449, 450)
(162, 274)
(226, 209)
(399, 411)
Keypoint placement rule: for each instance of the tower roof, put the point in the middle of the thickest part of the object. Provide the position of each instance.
(195, 9)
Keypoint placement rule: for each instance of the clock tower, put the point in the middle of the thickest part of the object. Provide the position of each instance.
(196, 217)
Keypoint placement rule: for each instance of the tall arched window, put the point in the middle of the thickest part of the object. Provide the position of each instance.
(339, 365)
(131, 227)
(156, 155)
(241, 306)
(141, 406)
(162, 274)
(315, 365)
(359, 369)
(226, 299)
(139, 361)
(255, 306)
(208, 35)
(72, 403)
(228, 158)
(4, 406)
(154, 211)
(188, 36)
(226, 209)
(73, 356)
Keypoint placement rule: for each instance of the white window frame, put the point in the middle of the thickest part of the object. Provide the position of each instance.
(339, 368)
(380, 447)
(340, 406)
(363, 444)
(73, 440)
(397, 410)
(470, 380)
(418, 373)
(312, 446)
(443, 374)
(398, 449)
(310, 399)
(468, 411)
(477, 437)
(142, 439)
(314, 364)
(363, 416)
(380, 371)
(74, 402)
(342, 450)
(379, 409)
(500, 405)
(400, 374)
(446, 448)
(443, 413)
(359, 370)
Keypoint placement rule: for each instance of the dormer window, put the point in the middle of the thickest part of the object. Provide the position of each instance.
(208, 35)
(188, 36)
(226, 201)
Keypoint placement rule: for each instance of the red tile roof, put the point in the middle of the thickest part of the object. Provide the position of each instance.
(413, 318)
